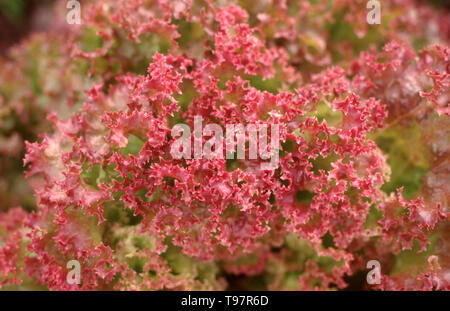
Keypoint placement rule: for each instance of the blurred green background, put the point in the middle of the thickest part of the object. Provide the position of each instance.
(19, 17)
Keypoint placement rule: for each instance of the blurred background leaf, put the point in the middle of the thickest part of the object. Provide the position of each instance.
(13, 10)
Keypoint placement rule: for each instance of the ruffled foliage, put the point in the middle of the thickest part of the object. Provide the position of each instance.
(363, 174)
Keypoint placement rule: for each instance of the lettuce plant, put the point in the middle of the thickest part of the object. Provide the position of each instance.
(363, 174)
